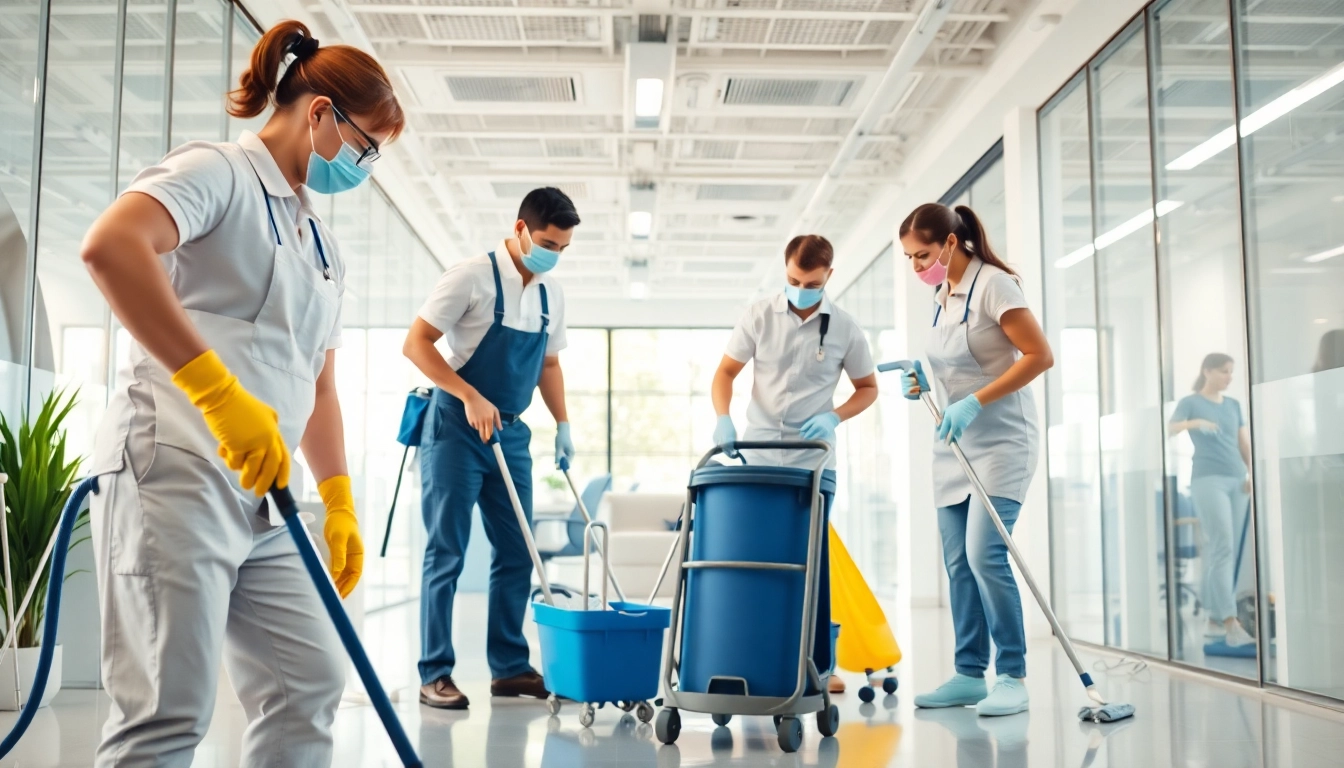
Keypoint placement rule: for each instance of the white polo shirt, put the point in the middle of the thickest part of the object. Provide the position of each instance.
(790, 385)
(226, 248)
(462, 305)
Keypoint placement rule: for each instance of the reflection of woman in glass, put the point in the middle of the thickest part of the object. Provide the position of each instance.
(1220, 486)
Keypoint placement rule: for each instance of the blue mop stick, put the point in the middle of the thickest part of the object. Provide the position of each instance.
(64, 528)
(1104, 711)
(284, 500)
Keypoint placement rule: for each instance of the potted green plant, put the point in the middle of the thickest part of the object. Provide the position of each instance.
(40, 479)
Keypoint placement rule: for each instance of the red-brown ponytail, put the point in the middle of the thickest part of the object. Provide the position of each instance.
(351, 78)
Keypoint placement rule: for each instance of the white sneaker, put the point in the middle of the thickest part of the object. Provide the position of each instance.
(1215, 630)
(1237, 637)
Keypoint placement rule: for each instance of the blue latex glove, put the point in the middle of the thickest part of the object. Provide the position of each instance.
(564, 444)
(957, 418)
(914, 380)
(821, 427)
(725, 435)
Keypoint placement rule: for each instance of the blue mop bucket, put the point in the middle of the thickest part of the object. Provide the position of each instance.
(596, 656)
(744, 624)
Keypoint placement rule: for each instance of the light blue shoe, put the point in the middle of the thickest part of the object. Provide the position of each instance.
(960, 691)
(1008, 698)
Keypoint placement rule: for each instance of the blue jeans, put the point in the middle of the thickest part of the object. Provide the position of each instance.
(458, 472)
(985, 601)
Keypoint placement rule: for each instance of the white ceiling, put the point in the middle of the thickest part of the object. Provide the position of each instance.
(506, 95)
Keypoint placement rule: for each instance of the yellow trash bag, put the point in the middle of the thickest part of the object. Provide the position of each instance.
(866, 640)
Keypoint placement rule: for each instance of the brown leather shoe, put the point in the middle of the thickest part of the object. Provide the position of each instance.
(527, 684)
(836, 684)
(443, 694)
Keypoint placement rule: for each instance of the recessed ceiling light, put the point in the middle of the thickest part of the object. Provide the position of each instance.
(1321, 320)
(1337, 199)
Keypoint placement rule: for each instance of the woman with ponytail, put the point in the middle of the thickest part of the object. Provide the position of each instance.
(230, 286)
(984, 350)
(1220, 485)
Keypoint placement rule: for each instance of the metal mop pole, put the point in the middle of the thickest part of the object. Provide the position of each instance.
(12, 628)
(523, 525)
(588, 520)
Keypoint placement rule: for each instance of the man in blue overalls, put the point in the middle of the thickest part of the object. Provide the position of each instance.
(503, 318)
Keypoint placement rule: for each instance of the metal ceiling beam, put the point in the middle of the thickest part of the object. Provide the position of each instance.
(693, 13)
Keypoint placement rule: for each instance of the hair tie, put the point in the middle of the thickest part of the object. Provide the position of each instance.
(304, 47)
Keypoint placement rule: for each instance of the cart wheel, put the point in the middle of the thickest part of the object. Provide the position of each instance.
(626, 706)
(790, 733)
(828, 720)
(867, 694)
(587, 716)
(668, 726)
(722, 719)
(644, 712)
(889, 685)
(776, 719)
(553, 704)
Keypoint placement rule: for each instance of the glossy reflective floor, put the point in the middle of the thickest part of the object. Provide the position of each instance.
(1181, 721)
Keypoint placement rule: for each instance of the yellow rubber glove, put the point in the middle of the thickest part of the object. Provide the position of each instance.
(342, 533)
(247, 429)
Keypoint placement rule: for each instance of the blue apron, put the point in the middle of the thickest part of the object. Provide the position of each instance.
(458, 471)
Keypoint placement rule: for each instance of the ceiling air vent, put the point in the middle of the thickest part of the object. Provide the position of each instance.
(512, 89)
(516, 190)
(771, 193)
(771, 92)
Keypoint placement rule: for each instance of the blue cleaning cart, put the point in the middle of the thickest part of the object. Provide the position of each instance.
(595, 657)
(749, 564)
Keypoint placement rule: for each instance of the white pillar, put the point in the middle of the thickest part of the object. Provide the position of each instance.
(1022, 195)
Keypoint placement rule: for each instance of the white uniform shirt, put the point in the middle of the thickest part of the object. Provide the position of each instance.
(995, 293)
(209, 192)
(790, 385)
(462, 305)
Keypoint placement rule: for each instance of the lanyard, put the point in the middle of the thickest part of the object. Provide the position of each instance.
(321, 252)
(821, 345)
(967, 313)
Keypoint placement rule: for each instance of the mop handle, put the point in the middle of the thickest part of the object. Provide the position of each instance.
(10, 627)
(590, 537)
(289, 510)
(524, 525)
(983, 495)
(588, 520)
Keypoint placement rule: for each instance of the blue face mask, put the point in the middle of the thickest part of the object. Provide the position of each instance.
(803, 298)
(340, 174)
(540, 260)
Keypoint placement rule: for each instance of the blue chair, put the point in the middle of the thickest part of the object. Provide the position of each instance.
(574, 522)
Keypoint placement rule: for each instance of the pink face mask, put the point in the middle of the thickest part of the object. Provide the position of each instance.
(937, 271)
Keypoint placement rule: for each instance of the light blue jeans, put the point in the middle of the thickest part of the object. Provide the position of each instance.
(1221, 504)
(985, 600)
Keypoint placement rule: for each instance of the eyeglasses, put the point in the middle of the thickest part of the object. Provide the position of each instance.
(371, 152)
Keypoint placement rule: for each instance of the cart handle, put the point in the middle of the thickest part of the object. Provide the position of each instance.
(589, 534)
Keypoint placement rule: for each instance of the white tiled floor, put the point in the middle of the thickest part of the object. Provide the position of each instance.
(1182, 721)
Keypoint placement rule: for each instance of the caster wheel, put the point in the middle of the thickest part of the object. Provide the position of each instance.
(644, 712)
(777, 719)
(790, 733)
(587, 716)
(828, 720)
(626, 706)
(668, 726)
(722, 719)
(867, 694)
(889, 685)
(553, 705)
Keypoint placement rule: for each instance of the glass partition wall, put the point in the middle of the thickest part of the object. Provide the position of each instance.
(1192, 192)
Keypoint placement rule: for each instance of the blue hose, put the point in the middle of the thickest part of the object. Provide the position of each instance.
(63, 531)
(284, 500)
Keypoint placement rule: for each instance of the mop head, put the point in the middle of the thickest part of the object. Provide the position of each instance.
(1106, 713)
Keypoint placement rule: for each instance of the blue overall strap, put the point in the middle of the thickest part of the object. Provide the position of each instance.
(321, 252)
(970, 293)
(936, 313)
(499, 290)
(267, 197)
(545, 309)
